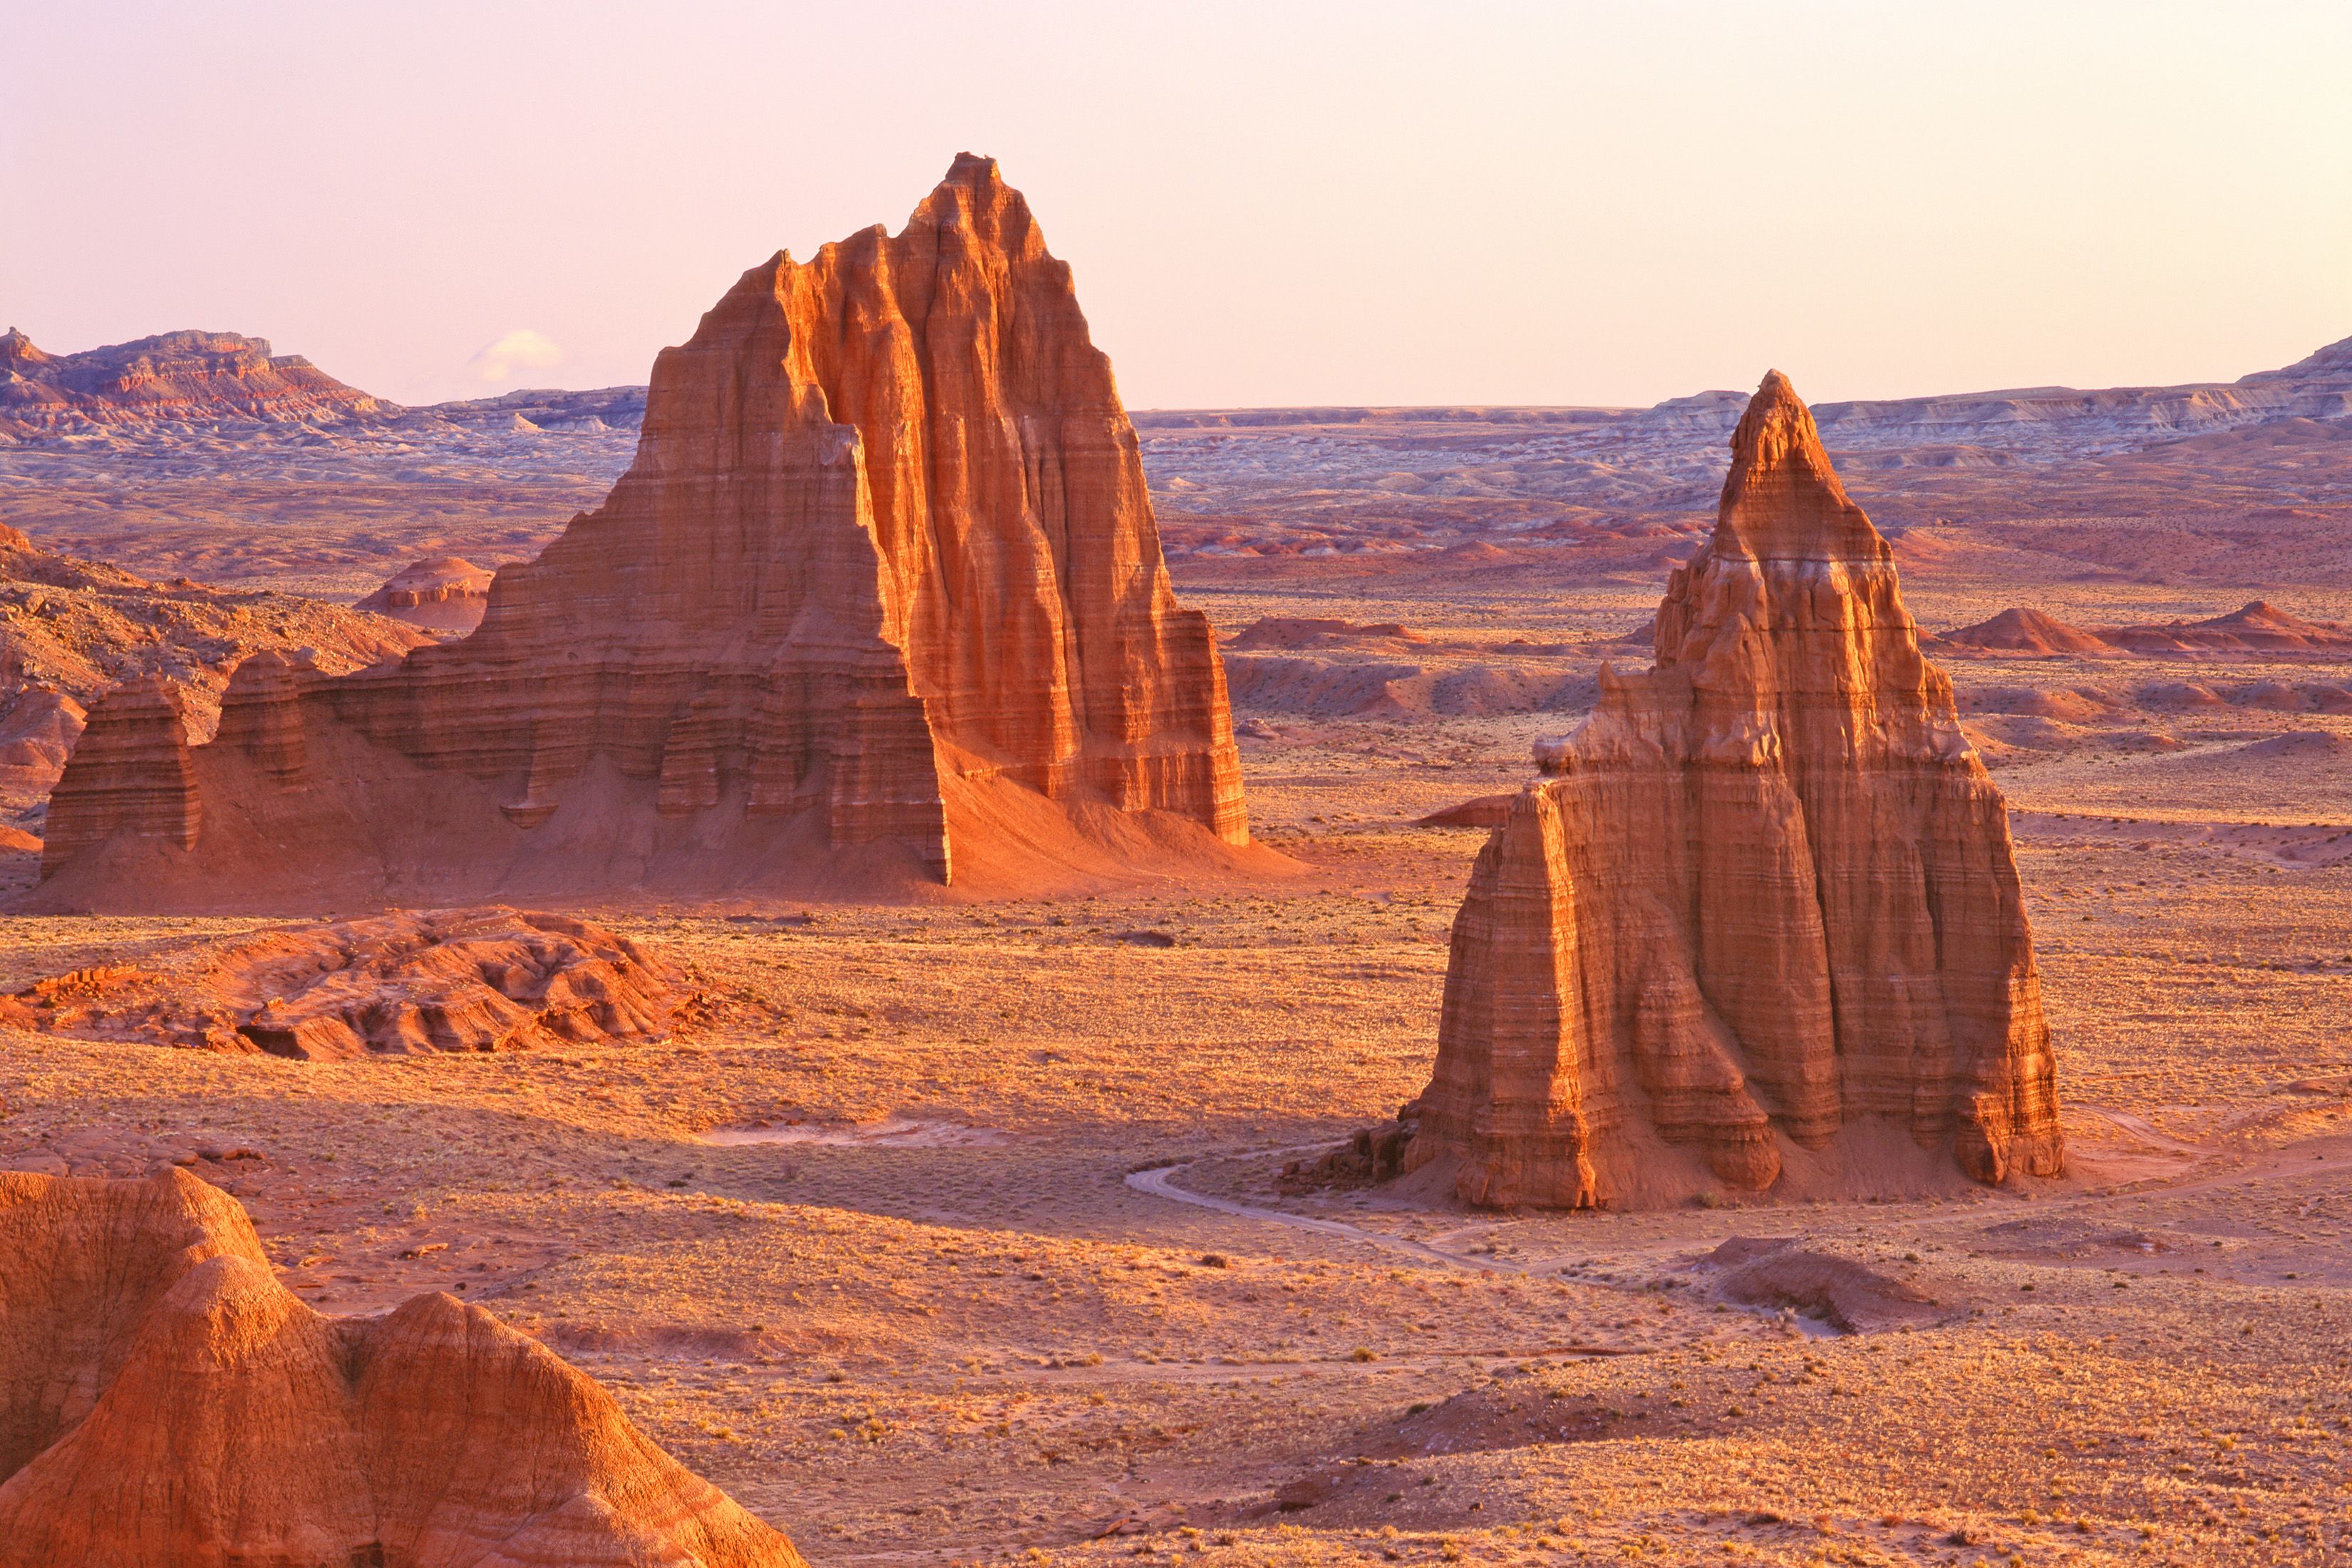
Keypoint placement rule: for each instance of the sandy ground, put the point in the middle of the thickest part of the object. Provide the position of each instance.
(902, 1247)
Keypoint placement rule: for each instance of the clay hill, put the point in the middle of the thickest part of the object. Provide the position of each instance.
(2030, 632)
(401, 984)
(1760, 921)
(165, 1401)
(179, 382)
(881, 601)
(440, 594)
(70, 629)
(2255, 628)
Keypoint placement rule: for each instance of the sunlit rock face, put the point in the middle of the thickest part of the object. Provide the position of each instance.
(165, 1400)
(1763, 906)
(887, 536)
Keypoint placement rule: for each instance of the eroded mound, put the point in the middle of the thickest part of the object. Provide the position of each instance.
(440, 593)
(165, 1401)
(492, 979)
(1780, 1275)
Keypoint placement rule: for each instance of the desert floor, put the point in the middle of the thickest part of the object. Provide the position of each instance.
(886, 1247)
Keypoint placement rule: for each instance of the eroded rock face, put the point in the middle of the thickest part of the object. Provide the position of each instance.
(1762, 908)
(886, 542)
(487, 979)
(164, 1401)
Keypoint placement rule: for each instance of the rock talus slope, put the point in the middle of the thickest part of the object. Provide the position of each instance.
(885, 553)
(1763, 910)
(164, 1401)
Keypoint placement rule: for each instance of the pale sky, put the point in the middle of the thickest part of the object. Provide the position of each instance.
(1275, 202)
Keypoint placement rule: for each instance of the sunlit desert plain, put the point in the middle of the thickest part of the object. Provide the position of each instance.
(976, 1227)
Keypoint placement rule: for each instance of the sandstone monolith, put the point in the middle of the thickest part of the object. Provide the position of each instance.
(1759, 922)
(882, 579)
(164, 1401)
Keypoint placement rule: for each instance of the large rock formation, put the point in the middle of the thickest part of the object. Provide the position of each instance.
(407, 982)
(164, 1401)
(1761, 910)
(886, 554)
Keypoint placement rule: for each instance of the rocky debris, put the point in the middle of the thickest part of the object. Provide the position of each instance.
(72, 630)
(1515, 1414)
(2030, 632)
(1375, 1154)
(174, 381)
(165, 1400)
(1761, 916)
(886, 554)
(1293, 632)
(490, 978)
(1779, 1274)
(440, 593)
(2254, 627)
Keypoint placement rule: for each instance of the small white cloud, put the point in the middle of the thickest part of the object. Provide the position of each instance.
(520, 349)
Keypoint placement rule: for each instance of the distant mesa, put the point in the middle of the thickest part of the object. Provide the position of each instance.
(164, 1399)
(178, 378)
(881, 603)
(2024, 631)
(1759, 928)
(407, 983)
(440, 593)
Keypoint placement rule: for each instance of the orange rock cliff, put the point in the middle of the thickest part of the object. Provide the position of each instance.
(165, 1401)
(1763, 910)
(885, 551)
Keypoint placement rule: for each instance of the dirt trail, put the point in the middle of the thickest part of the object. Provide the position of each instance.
(1160, 1182)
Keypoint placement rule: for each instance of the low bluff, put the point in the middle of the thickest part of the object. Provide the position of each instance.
(164, 1401)
(879, 604)
(1759, 926)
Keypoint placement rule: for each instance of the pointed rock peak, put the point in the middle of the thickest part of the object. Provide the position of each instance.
(974, 195)
(1782, 500)
(973, 170)
(16, 347)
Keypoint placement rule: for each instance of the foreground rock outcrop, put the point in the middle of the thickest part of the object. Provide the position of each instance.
(1761, 918)
(884, 578)
(164, 1401)
(489, 979)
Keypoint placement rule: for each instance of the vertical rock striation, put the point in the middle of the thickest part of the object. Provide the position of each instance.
(1763, 901)
(886, 547)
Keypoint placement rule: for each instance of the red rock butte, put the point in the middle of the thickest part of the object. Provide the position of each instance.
(881, 598)
(1759, 927)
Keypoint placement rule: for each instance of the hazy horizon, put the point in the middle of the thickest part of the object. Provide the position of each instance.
(1280, 205)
